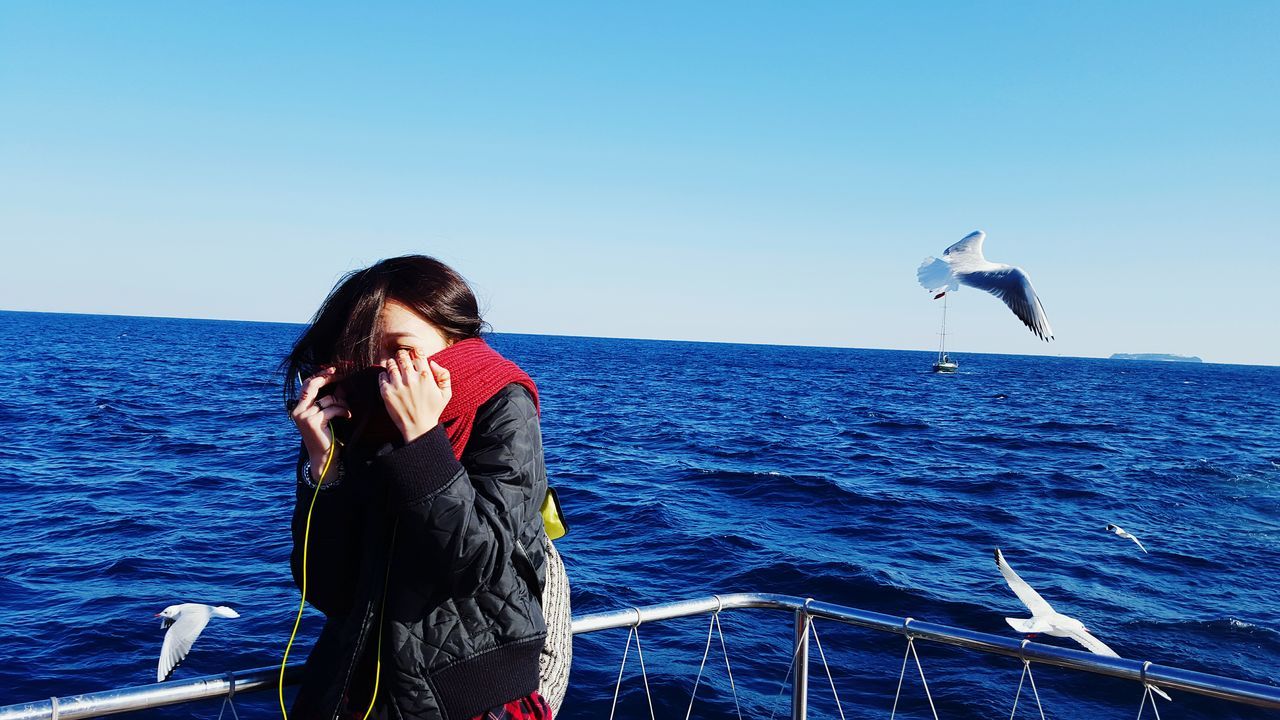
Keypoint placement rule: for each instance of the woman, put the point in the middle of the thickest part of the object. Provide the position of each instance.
(417, 517)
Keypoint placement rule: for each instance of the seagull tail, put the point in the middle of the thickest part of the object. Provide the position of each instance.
(226, 612)
(935, 275)
(1026, 626)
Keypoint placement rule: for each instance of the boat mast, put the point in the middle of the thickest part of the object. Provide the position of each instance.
(942, 336)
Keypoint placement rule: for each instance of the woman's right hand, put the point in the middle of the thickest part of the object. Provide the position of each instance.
(312, 417)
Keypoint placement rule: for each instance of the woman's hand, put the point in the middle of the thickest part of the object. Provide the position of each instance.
(415, 394)
(312, 416)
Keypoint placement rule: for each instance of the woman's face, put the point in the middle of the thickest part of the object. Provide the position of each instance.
(403, 329)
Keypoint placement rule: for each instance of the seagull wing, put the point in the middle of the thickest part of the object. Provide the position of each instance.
(970, 244)
(178, 640)
(1025, 592)
(1128, 536)
(1012, 285)
(1093, 644)
(937, 274)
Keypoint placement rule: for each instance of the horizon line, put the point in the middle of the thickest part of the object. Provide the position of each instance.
(638, 339)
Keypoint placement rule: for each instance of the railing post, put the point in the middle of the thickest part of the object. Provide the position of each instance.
(800, 686)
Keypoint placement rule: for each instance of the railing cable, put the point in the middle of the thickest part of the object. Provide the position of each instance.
(737, 708)
(1146, 693)
(714, 626)
(623, 666)
(711, 626)
(795, 654)
(814, 627)
(911, 652)
(644, 675)
(230, 698)
(1026, 673)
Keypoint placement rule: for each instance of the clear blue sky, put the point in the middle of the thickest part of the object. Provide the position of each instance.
(714, 171)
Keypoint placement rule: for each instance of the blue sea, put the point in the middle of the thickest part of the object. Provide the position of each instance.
(148, 461)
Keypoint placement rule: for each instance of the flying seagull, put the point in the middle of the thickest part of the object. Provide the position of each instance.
(184, 621)
(1126, 534)
(1044, 619)
(963, 264)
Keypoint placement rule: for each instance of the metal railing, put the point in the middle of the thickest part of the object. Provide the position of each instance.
(110, 702)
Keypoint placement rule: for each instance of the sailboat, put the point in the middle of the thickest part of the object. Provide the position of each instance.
(944, 364)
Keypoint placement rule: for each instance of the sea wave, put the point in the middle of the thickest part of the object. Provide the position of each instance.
(851, 476)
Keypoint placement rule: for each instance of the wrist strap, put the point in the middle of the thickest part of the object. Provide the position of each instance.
(338, 474)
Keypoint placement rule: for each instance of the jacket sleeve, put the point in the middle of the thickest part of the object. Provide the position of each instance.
(467, 521)
(331, 544)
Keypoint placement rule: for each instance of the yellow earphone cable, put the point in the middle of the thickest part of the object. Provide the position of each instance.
(306, 538)
(382, 611)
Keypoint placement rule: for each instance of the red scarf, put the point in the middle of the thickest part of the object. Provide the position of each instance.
(477, 373)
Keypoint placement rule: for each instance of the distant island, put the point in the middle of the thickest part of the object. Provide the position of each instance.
(1156, 356)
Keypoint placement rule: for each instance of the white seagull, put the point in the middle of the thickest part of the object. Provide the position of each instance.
(184, 621)
(1044, 619)
(1126, 534)
(963, 264)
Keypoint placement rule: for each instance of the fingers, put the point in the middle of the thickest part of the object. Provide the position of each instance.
(336, 410)
(328, 401)
(310, 388)
(414, 392)
(322, 411)
(444, 381)
(390, 376)
(401, 370)
(408, 372)
(412, 366)
(312, 422)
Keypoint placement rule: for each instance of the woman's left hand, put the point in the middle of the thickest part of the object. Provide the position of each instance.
(415, 393)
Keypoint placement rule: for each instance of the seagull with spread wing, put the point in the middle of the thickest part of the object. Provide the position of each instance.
(184, 622)
(1044, 619)
(963, 264)
(1126, 534)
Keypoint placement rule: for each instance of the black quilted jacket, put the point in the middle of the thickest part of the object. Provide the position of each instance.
(458, 549)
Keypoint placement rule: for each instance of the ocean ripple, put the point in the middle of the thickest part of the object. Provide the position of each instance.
(685, 469)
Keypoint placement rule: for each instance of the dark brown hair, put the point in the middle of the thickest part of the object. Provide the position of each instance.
(344, 331)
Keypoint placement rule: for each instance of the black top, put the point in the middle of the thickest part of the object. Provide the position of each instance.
(458, 547)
